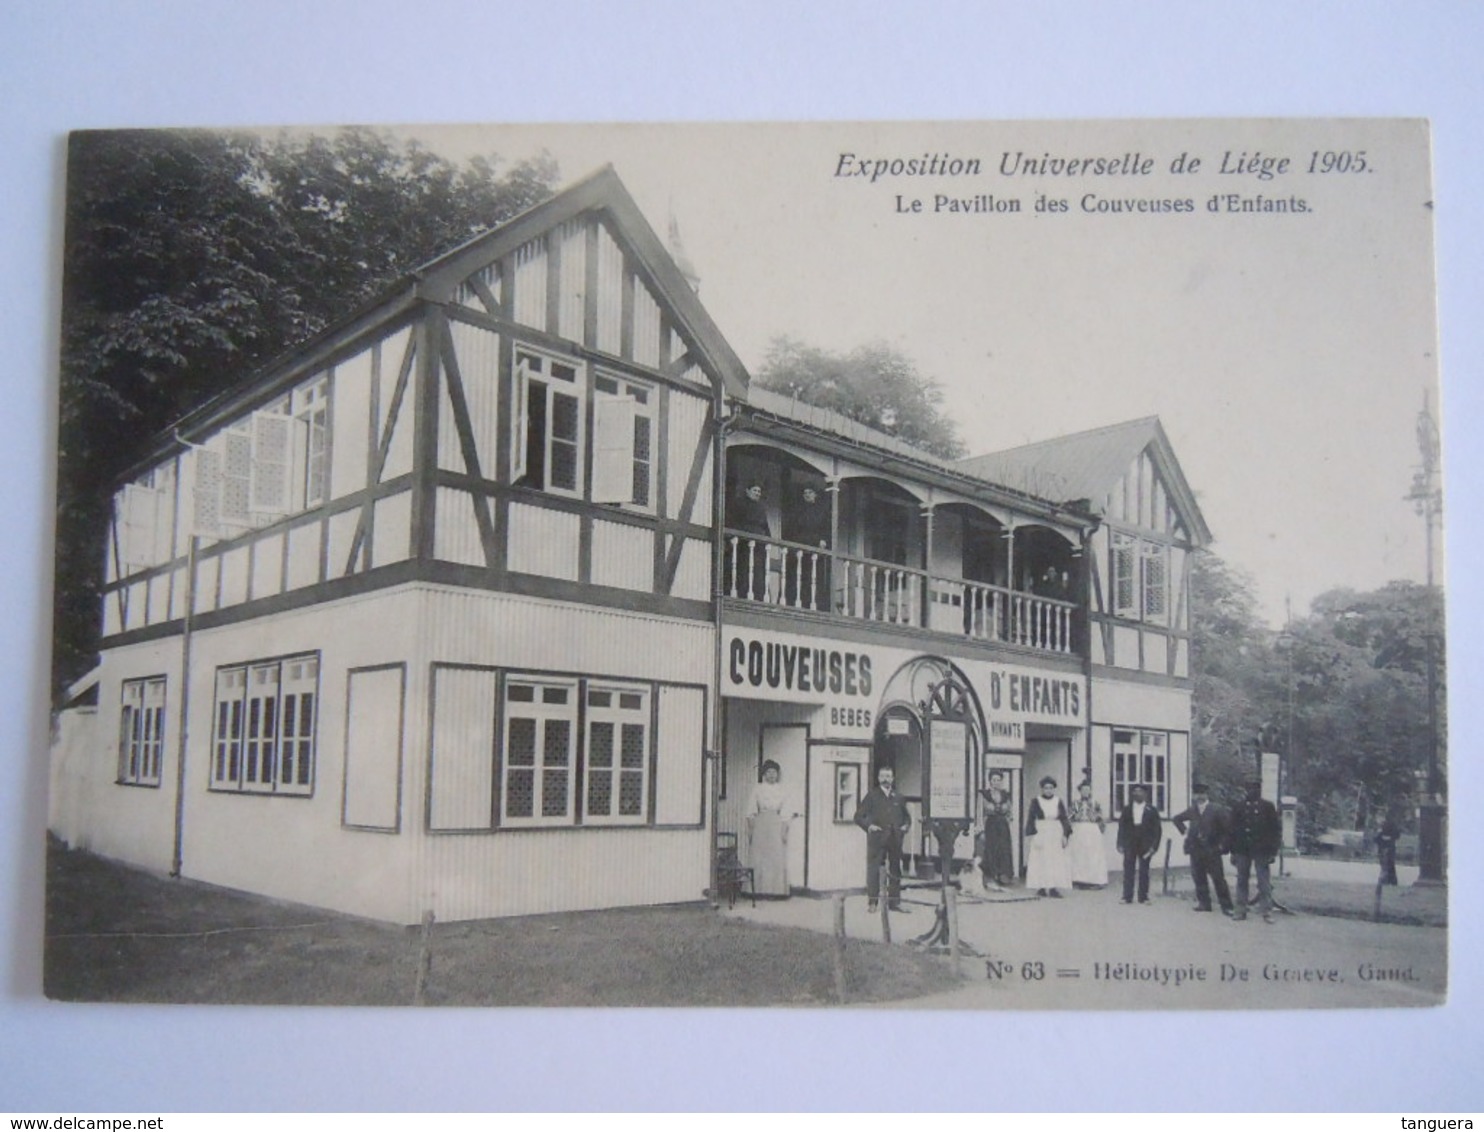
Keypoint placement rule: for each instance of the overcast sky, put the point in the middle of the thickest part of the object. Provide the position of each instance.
(1287, 354)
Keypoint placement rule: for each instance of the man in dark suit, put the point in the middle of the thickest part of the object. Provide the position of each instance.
(883, 815)
(1257, 834)
(1139, 835)
(1207, 837)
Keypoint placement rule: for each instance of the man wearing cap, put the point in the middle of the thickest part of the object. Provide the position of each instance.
(1207, 830)
(1257, 833)
(1139, 835)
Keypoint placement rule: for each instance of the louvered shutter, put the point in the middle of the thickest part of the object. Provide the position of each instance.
(272, 461)
(613, 449)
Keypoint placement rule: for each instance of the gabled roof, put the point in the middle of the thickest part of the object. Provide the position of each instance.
(1087, 465)
(604, 191)
(436, 280)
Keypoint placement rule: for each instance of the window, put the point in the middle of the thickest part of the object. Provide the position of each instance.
(547, 446)
(310, 407)
(548, 777)
(1125, 596)
(847, 792)
(1154, 559)
(1140, 579)
(1141, 758)
(264, 726)
(623, 441)
(271, 464)
(616, 772)
(142, 731)
(540, 751)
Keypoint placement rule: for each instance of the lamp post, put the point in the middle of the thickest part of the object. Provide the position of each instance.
(1426, 498)
(1287, 792)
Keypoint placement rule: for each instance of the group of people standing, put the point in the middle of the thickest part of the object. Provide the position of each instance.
(1252, 835)
(1064, 844)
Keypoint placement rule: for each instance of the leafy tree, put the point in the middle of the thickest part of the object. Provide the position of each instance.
(1348, 683)
(874, 385)
(190, 257)
(1233, 663)
(1360, 693)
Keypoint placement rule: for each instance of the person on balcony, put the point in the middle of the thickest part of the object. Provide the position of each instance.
(767, 834)
(746, 559)
(807, 572)
(1048, 829)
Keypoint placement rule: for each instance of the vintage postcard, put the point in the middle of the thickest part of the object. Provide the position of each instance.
(970, 565)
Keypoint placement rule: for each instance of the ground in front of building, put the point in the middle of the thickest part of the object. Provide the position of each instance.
(1090, 951)
(118, 934)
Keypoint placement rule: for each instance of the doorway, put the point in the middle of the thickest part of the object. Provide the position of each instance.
(787, 744)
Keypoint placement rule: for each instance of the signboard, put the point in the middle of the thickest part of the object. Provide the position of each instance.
(993, 761)
(948, 770)
(1005, 734)
(1271, 761)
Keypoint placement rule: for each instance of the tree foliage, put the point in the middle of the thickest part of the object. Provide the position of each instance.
(1342, 692)
(874, 385)
(191, 257)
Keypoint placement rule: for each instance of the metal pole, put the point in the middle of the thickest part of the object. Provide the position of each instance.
(1427, 497)
(177, 855)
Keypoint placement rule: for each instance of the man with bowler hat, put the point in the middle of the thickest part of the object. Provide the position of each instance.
(1206, 839)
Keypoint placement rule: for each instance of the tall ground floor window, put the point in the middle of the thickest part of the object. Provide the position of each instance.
(1141, 758)
(263, 731)
(142, 731)
(575, 750)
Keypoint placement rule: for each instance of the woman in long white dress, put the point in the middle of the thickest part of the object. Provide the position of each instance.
(1089, 858)
(767, 835)
(1048, 865)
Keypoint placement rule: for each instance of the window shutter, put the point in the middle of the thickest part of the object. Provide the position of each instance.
(1125, 596)
(139, 507)
(613, 449)
(519, 425)
(206, 492)
(272, 460)
(236, 478)
(1156, 588)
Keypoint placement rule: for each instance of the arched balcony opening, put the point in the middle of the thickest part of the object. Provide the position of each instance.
(881, 560)
(778, 525)
(867, 548)
(1049, 587)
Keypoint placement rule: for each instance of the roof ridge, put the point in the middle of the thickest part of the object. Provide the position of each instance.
(1129, 425)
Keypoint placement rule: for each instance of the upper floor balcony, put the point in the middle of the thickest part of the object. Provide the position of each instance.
(865, 548)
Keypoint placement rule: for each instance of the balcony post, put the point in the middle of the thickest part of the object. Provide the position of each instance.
(924, 597)
(837, 576)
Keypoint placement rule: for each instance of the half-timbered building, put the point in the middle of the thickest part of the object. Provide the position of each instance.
(443, 611)
(1022, 612)
(419, 618)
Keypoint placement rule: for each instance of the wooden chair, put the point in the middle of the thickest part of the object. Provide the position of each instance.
(731, 873)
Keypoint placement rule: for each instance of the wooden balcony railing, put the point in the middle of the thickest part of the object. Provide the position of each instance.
(791, 576)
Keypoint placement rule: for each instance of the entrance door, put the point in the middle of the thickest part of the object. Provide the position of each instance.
(787, 744)
(1043, 757)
